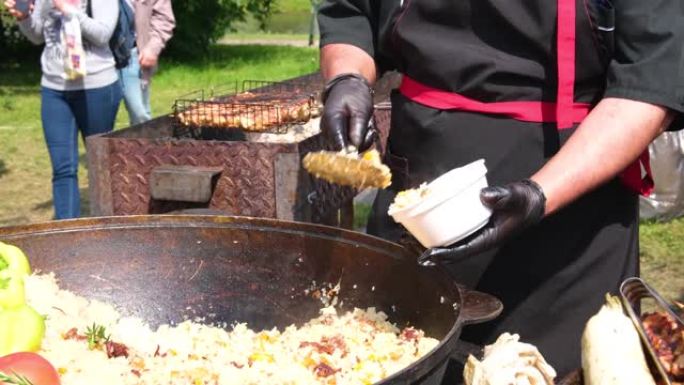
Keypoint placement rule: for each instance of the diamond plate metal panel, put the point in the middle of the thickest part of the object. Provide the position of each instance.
(244, 187)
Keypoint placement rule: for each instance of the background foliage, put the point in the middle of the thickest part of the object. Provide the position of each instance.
(200, 23)
(13, 45)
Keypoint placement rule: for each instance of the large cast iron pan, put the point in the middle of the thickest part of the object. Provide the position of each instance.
(165, 269)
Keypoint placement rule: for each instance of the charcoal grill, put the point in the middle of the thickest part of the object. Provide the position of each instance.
(151, 168)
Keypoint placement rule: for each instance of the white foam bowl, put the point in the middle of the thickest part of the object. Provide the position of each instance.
(451, 210)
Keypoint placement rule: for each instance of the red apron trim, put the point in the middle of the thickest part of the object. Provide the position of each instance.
(638, 175)
(565, 112)
(632, 176)
(523, 111)
(566, 62)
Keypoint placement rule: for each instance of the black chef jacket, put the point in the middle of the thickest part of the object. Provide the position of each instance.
(501, 50)
(553, 277)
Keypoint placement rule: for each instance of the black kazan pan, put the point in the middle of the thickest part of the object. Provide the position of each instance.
(267, 273)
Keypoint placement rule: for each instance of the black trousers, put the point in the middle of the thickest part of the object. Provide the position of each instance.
(553, 277)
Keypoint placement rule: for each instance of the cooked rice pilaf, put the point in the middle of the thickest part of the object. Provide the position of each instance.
(358, 347)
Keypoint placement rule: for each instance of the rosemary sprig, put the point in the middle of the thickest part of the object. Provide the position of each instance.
(97, 335)
(15, 379)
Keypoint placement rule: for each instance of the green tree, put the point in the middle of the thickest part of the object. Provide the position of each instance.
(13, 45)
(199, 23)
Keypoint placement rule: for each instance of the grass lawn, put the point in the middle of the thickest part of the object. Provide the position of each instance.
(271, 36)
(293, 6)
(25, 193)
(25, 190)
(224, 65)
(662, 256)
(290, 17)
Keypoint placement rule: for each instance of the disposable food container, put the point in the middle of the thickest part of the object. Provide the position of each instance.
(447, 209)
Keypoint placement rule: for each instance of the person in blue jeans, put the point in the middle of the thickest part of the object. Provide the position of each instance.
(136, 90)
(154, 24)
(87, 104)
(64, 114)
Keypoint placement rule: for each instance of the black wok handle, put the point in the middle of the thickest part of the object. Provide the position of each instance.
(479, 307)
(476, 307)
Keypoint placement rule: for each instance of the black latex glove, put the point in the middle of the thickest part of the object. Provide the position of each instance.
(347, 111)
(515, 207)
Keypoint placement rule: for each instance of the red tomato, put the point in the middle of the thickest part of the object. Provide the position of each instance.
(33, 366)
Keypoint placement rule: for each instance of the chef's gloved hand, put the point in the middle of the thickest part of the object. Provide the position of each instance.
(515, 207)
(347, 111)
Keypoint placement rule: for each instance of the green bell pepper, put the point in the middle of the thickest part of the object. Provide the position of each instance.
(21, 327)
(15, 259)
(12, 293)
(21, 330)
(14, 266)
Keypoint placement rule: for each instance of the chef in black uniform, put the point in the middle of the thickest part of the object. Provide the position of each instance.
(560, 98)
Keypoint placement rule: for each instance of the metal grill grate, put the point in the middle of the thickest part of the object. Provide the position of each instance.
(258, 106)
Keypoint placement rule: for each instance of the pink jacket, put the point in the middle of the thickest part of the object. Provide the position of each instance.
(154, 24)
